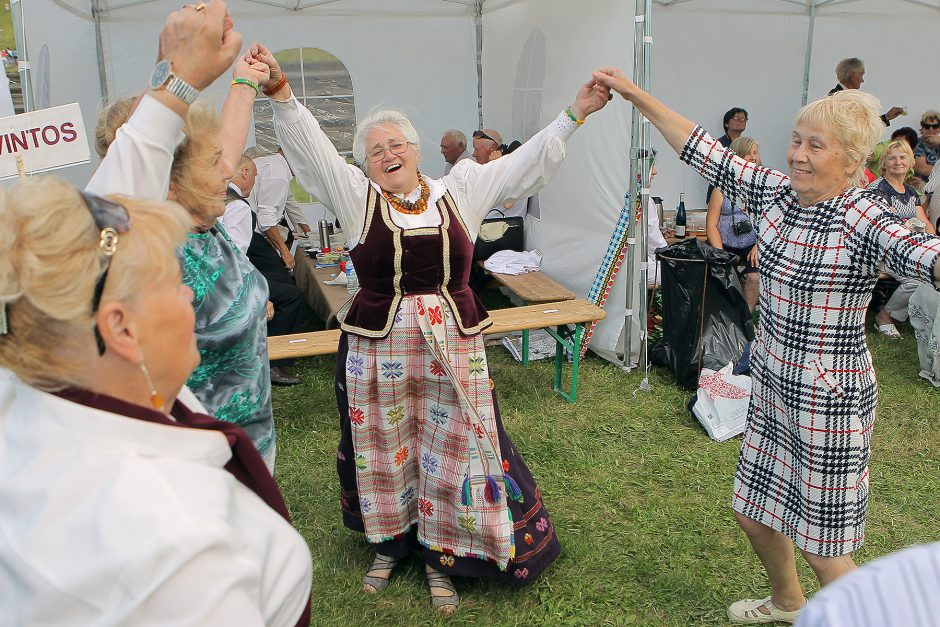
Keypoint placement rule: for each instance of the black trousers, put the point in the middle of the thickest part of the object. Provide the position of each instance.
(287, 298)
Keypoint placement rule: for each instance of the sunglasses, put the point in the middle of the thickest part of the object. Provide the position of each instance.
(932, 127)
(482, 135)
(112, 219)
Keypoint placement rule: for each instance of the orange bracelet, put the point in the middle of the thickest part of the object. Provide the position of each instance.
(270, 91)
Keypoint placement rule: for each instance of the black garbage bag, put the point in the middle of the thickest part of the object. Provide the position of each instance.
(706, 321)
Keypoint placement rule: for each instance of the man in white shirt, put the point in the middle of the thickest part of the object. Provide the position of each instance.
(454, 148)
(271, 199)
(237, 218)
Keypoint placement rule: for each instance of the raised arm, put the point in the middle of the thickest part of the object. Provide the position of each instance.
(200, 46)
(340, 186)
(527, 169)
(238, 108)
(741, 181)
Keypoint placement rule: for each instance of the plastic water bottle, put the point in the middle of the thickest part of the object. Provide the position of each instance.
(352, 281)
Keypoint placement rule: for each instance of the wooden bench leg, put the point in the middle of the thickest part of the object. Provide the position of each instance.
(564, 338)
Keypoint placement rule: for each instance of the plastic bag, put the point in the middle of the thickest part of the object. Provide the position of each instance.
(721, 402)
(706, 320)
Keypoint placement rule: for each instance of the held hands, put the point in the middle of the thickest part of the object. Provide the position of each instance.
(200, 44)
(591, 97)
(253, 70)
(260, 54)
(614, 78)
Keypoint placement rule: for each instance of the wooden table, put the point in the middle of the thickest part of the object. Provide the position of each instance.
(324, 300)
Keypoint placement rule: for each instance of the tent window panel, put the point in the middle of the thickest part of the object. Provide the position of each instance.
(323, 85)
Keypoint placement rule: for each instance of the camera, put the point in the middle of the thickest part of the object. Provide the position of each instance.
(741, 227)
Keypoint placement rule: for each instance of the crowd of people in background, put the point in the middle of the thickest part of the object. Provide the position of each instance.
(134, 317)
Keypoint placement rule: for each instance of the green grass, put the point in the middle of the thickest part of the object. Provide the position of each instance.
(7, 37)
(638, 493)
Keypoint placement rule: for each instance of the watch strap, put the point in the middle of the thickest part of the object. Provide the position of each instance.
(181, 89)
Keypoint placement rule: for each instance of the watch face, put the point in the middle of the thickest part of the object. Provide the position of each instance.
(160, 74)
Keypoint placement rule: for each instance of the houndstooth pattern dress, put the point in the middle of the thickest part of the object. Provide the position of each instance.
(803, 468)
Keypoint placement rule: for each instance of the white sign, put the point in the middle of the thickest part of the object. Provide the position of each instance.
(46, 140)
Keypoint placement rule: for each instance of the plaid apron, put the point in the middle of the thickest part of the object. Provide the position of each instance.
(425, 438)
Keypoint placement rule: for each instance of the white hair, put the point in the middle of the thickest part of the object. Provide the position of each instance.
(376, 119)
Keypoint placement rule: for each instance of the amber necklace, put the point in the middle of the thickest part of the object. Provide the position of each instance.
(406, 206)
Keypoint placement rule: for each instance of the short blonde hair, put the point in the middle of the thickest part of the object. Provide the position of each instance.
(49, 264)
(201, 130)
(852, 116)
(110, 119)
(742, 145)
(930, 114)
(901, 145)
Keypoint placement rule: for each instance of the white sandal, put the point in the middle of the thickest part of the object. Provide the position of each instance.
(747, 612)
(888, 330)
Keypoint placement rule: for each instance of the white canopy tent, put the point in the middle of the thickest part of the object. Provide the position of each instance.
(434, 58)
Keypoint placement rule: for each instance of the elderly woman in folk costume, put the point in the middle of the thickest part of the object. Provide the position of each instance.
(423, 459)
(802, 475)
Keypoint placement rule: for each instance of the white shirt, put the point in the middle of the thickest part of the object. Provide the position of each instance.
(139, 159)
(237, 221)
(272, 187)
(450, 166)
(899, 590)
(343, 188)
(109, 520)
(654, 240)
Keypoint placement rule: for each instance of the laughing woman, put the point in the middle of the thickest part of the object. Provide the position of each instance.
(802, 475)
(423, 461)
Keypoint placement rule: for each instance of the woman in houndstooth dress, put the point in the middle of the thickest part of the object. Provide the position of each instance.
(802, 475)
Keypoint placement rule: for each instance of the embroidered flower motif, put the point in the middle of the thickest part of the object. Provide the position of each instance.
(395, 415)
(426, 507)
(365, 505)
(429, 463)
(401, 456)
(447, 560)
(469, 523)
(522, 573)
(505, 465)
(437, 369)
(435, 315)
(392, 369)
(439, 415)
(420, 302)
(399, 316)
(354, 365)
(356, 416)
(542, 525)
(528, 538)
(476, 366)
(360, 462)
(478, 428)
(340, 455)
(407, 496)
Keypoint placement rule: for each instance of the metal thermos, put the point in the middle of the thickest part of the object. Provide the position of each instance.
(325, 231)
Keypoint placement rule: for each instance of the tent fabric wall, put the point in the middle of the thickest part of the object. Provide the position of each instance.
(707, 57)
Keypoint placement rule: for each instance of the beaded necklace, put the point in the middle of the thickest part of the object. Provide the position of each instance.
(406, 206)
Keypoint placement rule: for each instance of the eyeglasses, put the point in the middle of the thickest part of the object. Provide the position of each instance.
(739, 118)
(396, 149)
(482, 135)
(112, 219)
(932, 127)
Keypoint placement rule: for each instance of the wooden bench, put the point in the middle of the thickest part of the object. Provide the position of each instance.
(533, 288)
(543, 316)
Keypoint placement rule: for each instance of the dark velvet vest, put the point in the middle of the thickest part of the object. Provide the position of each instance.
(392, 262)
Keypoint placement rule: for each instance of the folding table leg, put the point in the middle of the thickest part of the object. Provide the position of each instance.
(562, 341)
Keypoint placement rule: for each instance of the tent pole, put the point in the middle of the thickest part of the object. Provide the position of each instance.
(478, 22)
(637, 228)
(809, 49)
(99, 49)
(19, 33)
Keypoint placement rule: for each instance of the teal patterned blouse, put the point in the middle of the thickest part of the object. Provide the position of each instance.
(233, 380)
